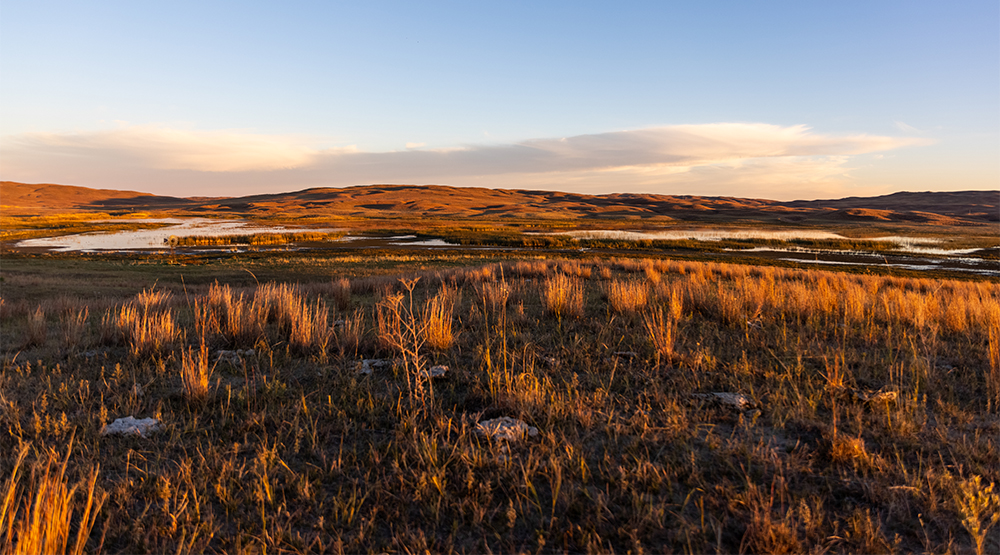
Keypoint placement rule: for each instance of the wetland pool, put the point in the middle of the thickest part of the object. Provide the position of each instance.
(913, 253)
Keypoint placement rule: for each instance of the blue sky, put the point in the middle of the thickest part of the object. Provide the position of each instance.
(758, 99)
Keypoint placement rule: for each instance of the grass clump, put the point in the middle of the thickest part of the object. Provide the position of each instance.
(38, 517)
(563, 296)
(627, 296)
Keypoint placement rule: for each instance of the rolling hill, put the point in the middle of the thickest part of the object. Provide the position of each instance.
(444, 202)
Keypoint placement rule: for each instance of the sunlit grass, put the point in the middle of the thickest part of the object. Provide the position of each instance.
(869, 423)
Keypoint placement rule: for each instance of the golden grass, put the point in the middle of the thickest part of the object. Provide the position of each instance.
(351, 333)
(39, 518)
(437, 321)
(993, 351)
(36, 329)
(341, 291)
(145, 325)
(563, 296)
(73, 326)
(195, 373)
(310, 328)
(661, 330)
(627, 296)
(298, 453)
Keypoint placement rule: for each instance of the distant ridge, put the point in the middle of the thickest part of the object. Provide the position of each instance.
(438, 201)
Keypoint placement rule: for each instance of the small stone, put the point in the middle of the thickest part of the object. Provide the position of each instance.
(435, 371)
(735, 400)
(505, 427)
(129, 425)
(880, 396)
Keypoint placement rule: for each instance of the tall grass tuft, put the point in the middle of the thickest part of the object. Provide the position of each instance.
(36, 330)
(494, 294)
(627, 296)
(39, 519)
(351, 332)
(438, 322)
(563, 296)
(240, 321)
(309, 327)
(993, 350)
(341, 292)
(661, 329)
(145, 327)
(74, 326)
(195, 373)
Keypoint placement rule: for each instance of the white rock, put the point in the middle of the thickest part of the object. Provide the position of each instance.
(880, 396)
(131, 426)
(435, 371)
(735, 400)
(505, 427)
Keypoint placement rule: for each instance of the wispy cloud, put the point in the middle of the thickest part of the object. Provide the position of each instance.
(747, 159)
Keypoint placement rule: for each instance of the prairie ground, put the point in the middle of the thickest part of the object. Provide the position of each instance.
(679, 405)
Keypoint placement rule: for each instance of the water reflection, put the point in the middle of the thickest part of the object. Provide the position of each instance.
(158, 238)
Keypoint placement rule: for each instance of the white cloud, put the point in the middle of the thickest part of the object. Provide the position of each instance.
(745, 159)
(171, 149)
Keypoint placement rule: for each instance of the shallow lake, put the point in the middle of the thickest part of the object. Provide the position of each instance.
(915, 253)
(158, 238)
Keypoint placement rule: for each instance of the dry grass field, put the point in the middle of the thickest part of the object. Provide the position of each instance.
(679, 405)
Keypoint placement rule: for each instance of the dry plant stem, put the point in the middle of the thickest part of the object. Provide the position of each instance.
(979, 508)
(402, 329)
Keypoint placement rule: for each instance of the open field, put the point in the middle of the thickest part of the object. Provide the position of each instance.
(863, 414)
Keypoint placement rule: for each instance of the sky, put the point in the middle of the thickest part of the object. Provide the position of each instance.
(779, 100)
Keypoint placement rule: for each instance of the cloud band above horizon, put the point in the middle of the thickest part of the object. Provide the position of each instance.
(739, 159)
